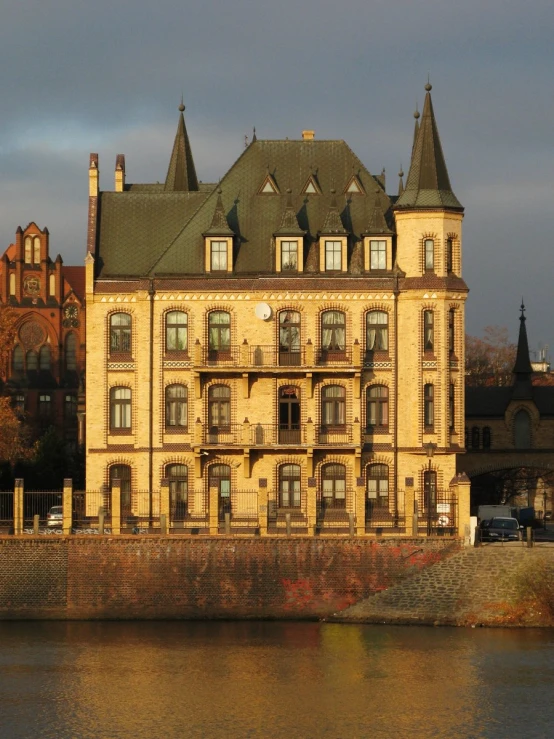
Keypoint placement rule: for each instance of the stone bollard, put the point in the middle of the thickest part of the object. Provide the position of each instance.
(36, 524)
(163, 524)
(227, 523)
(101, 520)
(529, 532)
(351, 521)
(287, 519)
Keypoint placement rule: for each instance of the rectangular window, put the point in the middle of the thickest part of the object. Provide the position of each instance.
(120, 408)
(451, 315)
(44, 407)
(428, 331)
(333, 255)
(451, 406)
(377, 255)
(289, 256)
(429, 405)
(449, 255)
(218, 253)
(429, 254)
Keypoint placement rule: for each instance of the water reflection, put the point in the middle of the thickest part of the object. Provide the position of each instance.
(158, 679)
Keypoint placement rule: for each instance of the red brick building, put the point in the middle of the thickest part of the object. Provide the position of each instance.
(45, 374)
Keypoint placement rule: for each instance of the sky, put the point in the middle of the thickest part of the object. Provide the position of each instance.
(79, 77)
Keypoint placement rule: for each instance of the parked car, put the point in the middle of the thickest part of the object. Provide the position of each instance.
(501, 528)
(54, 516)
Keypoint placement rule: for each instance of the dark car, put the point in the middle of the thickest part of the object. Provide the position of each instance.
(500, 529)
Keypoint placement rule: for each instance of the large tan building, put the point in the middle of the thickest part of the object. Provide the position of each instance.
(286, 346)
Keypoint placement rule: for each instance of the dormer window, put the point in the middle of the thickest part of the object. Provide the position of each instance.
(218, 256)
(333, 256)
(289, 256)
(429, 247)
(377, 254)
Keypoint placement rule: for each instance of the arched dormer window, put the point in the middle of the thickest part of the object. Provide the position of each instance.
(28, 250)
(36, 250)
(522, 430)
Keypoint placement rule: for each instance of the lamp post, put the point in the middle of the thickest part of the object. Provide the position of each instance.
(430, 449)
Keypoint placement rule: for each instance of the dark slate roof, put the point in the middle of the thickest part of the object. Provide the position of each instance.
(148, 231)
(428, 184)
(491, 402)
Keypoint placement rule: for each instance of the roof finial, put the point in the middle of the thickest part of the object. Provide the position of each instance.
(428, 86)
(254, 137)
(522, 308)
(182, 105)
(416, 112)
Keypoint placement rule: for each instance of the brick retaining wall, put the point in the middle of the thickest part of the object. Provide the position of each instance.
(148, 578)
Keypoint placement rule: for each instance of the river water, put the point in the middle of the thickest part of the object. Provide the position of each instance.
(176, 679)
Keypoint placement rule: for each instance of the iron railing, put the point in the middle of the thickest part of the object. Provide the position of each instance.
(334, 435)
(437, 512)
(381, 514)
(273, 356)
(41, 503)
(88, 507)
(6, 512)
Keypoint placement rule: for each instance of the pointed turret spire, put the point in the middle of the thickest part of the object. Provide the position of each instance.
(400, 181)
(377, 222)
(219, 225)
(522, 367)
(181, 174)
(428, 184)
(333, 222)
(289, 222)
(254, 137)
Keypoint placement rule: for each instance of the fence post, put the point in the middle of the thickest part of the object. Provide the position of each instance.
(101, 520)
(67, 501)
(311, 507)
(409, 511)
(213, 502)
(164, 507)
(18, 506)
(263, 509)
(36, 524)
(360, 506)
(116, 506)
(227, 523)
(463, 483)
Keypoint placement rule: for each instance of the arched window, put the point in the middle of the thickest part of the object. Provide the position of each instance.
(333, 406)
(121, 472)
(12, 283)
(333, 486)
(377, 407)
(219, 408)
(178, 476)
(289, 338)
(449, 255)
(44, 358)
(333, 331)
(32, 361)
(176, 401)
(289, 415)
(377, 331)
(18, 360)
(487, 437)
(120, 408)
(452, 406)
(475, 437)
(428, 330)
(451, 330)
(289, 486)
(71, 352)
(429, 253)
(378, 485)
(52, 285)
(430, 490)
(429, 405)
(36, 250)
(219, 334)
(120, 332)
(522, 430)
(176, 331)
(28, 250)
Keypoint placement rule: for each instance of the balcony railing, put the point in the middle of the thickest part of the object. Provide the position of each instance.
(272, 356)
(334, 435)
(334, 356)
(224, 435)
(229, 357)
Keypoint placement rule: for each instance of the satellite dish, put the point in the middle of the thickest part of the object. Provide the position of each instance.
(263, 311)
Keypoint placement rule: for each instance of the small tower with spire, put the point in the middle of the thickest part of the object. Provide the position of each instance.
(181, 174)
(522, 387)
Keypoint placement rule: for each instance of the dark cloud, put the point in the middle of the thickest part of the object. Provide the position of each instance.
(79, 76)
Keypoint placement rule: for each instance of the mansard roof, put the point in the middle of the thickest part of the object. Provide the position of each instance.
(148, 231)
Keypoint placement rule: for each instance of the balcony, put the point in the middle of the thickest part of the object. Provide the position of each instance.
(334, 435)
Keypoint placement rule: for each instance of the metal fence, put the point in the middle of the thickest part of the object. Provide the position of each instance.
(437, 513)
(6, 512)
(48, 506)
(382, 514)
(89, 509)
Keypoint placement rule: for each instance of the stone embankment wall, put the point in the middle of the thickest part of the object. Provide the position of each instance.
(164, 578)
(488, 586)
